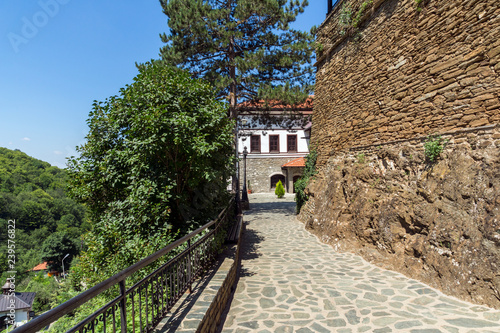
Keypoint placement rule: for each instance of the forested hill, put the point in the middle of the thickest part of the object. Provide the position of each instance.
(33, 193)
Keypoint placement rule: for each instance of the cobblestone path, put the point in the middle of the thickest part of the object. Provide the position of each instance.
(290, 282)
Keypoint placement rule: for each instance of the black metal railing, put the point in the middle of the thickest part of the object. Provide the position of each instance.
(331, 5)
(141, 307)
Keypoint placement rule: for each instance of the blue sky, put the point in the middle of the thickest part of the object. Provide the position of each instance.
(58, 56)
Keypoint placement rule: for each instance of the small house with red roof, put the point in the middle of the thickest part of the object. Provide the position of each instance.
(276, 138)
(44, 267)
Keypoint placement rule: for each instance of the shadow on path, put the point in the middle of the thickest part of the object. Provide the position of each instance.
(249, 249)
(278, 207)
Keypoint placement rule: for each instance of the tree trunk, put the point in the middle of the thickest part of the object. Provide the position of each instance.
(234, 115)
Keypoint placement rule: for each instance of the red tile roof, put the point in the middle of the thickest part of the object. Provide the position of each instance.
(41, 267)
(299, 162)
(276, 105)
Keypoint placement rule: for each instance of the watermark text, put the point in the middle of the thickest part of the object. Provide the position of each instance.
(32, 25)
(11, 262)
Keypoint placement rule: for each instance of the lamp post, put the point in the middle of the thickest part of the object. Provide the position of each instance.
(64, 277)
(244, 195)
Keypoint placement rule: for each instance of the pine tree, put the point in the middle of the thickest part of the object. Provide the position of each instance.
(245, 48)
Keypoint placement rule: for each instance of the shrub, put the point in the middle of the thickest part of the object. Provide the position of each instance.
(280, 190)
(433, 147)
(300, 185)
(361, 158)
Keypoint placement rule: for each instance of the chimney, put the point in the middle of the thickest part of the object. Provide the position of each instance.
(6, 287)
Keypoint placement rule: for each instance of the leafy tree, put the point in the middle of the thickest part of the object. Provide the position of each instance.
(46, 288)
(3, 259)
(153, 155)
(245, 48)
(55, 248)
(280, 190)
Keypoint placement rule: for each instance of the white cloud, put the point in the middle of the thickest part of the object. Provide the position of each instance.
(57, 152)
(26, 139)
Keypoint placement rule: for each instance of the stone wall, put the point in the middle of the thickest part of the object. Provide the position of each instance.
(405, 72)
(437, 223)
(384, 83)
(212, 319)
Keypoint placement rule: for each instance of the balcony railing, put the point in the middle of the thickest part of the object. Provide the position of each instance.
(141, 307)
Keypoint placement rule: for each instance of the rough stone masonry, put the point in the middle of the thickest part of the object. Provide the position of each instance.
(390, 73)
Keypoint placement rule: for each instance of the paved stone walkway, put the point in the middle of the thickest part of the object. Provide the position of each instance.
(290, 282)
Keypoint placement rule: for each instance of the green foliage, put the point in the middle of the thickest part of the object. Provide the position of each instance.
(418, 5)
(361, 158)
(345, 17)
(300, 185)
(349, 21)
(243, 47)
(280, 190)
(55, 248)
(155, 162)
(47, 290)
(33, 193)
(433, 146)
(361, 11)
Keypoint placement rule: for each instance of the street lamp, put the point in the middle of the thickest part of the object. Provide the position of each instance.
(244, 196)
(63, 264)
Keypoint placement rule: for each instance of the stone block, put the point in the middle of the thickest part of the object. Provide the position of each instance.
(449, 87)
(483, 71)
(492, 102)
(494, 52)
(401, 95)
(479, 122)
(425, 96)
(478, 52)
(456, 116)
(439, 86)
(441, 67)
(452, 74)
(482, 98)
(468, 81)
(468, 118)
(467, 63)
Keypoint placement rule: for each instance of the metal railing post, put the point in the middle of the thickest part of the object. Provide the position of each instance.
(123, 310)
(189, 267)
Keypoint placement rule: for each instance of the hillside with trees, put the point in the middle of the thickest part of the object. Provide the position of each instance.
(48, 223)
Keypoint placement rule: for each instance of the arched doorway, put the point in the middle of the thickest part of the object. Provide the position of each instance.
(275, 179)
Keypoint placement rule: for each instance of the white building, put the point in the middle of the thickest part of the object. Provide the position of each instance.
(15, 307)
(276, 150)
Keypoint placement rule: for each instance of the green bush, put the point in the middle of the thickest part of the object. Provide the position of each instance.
(280, 190)
(433, 147)
(300, 185)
